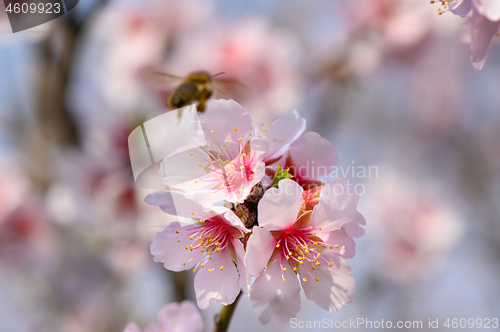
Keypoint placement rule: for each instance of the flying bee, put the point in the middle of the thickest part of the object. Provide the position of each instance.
(196, 87)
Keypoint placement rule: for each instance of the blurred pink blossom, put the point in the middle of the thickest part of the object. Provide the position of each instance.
(418, 231)
(252, 52)
(174, 317)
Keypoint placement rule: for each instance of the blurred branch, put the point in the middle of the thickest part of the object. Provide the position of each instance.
(223, 319)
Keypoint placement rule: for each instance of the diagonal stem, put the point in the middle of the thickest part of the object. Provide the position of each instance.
(223, 319)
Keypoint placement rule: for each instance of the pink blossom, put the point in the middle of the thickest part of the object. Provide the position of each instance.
(175, 317)
(481, 24)
(295, 241)
(212, 245)
(230, 158)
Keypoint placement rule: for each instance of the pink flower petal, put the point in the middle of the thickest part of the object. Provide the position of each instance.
(278, 207)
(177, 203)
(282, 133)
(489, 8)
(260, 247)
(245, 278)
(275, 300)
(336, 286)
(313, 156)
(337, 206)
(171, 253)
(350, 246)
(228, 120)
(460, 7)
(354, 228)
(180, 317)
(476, 35)
(218, 285)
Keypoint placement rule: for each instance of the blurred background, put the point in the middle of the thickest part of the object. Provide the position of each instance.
(386, 81)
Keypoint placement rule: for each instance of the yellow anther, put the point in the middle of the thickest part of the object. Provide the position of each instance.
(209, 258)
(213, 132)
(244, 154)
(201, 222)
(330, 264)
(178, 240)
(191, 153)
(336, 246)
(278, 245)
(184, 263)
(310, 227)
(319, 251)
(304, 279)
(301, 262)
(202, 265)
(264, 130)
(195, 181)
(270, 125)
(315, 243)
(331, 247)
(192, 213)
(187, 247)
(241, 167)
(241, 190)
(221, 268)
(235, 128)
(295, 269)
(217, 250)
(284, 280)
(209, 192)
(284, 269)
(208, 270)
(193, 270)
(319, 228)
(313, 267)
(240, 139)
(287, 257)
(191, 238)
(224, 144)
(199, 165)
(317, 279)
(203, 146)
(307, 251)
(317, 264)
(177, 232)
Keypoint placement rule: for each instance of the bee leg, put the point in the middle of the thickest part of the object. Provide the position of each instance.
(201, 106)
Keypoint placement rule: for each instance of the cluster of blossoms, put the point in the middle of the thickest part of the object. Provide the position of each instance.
(481, 25)
(262, 215)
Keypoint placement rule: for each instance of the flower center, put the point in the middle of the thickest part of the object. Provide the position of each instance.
(302, 250)
(213, 235)
(231, 169)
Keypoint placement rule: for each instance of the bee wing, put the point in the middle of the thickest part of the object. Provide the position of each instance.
(231, 90)
(160, 81)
